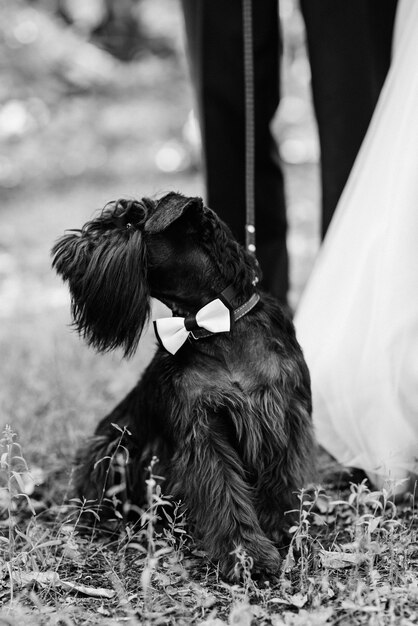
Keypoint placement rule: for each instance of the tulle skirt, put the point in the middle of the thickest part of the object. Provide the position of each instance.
(358, 318)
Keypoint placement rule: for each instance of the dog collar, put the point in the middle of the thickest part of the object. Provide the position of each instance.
(237, 313)
(215, 317)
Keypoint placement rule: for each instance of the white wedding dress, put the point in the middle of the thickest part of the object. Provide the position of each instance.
(358, 318)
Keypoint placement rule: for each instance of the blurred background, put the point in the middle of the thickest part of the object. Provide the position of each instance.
(95, 104)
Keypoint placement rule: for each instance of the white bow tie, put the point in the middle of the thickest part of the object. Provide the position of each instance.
(172, 332)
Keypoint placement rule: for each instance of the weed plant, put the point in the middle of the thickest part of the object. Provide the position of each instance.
(352, 558)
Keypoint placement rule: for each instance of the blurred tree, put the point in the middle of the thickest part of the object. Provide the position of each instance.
(116, 26)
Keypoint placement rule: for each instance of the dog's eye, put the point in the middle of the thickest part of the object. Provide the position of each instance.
(121, 221)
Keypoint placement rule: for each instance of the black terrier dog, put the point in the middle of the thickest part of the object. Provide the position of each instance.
(225, 404)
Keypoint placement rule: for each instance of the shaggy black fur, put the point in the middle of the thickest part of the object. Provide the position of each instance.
(229, 416)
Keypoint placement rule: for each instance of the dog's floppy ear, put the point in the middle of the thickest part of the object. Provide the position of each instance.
(105, 267)
(169, 209)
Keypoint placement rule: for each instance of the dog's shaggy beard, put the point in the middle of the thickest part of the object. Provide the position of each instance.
(105, 267)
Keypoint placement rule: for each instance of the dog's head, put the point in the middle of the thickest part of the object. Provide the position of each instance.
(174, 249)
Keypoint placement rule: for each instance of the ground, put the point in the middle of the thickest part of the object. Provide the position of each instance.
(79, 128)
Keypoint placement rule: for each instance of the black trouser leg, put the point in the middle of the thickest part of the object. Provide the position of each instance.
(215, 42)
(349, 43)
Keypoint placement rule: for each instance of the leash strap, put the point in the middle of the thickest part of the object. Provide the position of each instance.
(247, 23)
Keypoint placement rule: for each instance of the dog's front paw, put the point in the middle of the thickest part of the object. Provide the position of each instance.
(258, 561)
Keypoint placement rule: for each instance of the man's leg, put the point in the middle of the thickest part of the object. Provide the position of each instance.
(349, 43)
(215, 42)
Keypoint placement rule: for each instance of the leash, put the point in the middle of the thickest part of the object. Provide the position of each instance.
(247, 24)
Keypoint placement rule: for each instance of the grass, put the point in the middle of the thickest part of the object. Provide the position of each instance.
(352, 559)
